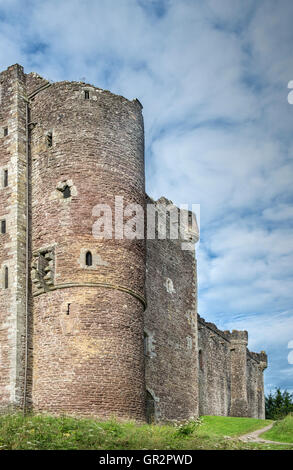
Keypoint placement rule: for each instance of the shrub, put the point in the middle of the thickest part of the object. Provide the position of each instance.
(188, 428)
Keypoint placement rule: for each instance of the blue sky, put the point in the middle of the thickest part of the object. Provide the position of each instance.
(212, 76)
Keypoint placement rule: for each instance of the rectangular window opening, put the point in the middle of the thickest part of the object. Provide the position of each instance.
(3, 226)
(6, 279)
(5, 131)
(86, 95)
(49, 139)
(5, 178)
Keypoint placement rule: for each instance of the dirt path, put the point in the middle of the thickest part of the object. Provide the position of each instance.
(254, 437)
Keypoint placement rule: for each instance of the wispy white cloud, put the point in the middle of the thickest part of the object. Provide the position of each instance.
(212, 77)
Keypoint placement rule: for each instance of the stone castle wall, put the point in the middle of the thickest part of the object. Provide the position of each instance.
(256, 364)
(171, 330)
(230, 376)
(119, 335)
(13, 168)
(214, 375)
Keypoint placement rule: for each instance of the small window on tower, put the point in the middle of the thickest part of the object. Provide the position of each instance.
(6, 278)
(49, 139)
(146, 344)
(5, 178)
(189, 218)
(66, 192)
(5, 131)
(89, 259)
(86, 95)
(200, 359)
(3, 226)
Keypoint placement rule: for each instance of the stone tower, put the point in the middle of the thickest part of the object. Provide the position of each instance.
(13, 240)
(78, 333)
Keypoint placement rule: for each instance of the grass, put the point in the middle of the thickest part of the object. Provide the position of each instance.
(282, 431)
(232, 427)
(40, 432)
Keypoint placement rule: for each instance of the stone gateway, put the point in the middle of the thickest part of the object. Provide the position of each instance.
(99, 327)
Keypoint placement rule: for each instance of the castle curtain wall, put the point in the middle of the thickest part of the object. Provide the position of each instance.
(214, 376)
(256, 363)
(230, 377)
(170, 323)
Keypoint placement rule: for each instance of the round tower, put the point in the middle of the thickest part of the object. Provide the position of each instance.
(86, 147)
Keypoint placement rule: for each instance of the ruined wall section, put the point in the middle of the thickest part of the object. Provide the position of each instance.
(13, 241)
(87, 147)
(171, 330)
(214, 376)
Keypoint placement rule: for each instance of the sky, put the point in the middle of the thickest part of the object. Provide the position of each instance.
(213, 78)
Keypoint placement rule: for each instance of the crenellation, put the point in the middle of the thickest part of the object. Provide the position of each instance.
(213, 328)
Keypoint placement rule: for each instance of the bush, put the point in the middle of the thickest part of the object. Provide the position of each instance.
(187, 429)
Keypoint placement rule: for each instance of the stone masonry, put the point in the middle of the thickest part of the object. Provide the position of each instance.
(100, 327)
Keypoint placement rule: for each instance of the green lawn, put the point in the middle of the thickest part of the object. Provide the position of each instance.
(48, 432)
(282, 431)
(227, 426)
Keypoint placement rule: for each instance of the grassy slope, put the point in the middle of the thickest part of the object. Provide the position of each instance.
(47, 432)
(227, 426)
(282, 431)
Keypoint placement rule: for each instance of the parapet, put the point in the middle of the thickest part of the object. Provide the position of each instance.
(240, 337)
(212, 327)
(261, 358)
(174, 222)
(35, 82)
(235, 336)
(15, 69)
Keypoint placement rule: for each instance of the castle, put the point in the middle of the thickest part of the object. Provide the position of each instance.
(99, 327)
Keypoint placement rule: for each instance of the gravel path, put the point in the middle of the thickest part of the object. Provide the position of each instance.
(254, 437)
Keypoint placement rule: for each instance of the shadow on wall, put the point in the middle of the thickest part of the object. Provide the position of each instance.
(150, 408)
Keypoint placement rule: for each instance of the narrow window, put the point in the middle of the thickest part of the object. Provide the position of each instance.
(200, 358)
(5, 131)
(190, 218)
(68, 309)
(66, 192)
(5, 178)
(49, 139)
(89, 259)
(146, 344)
(3, 226)
(86, 95)
(43, 264)
(6, 278)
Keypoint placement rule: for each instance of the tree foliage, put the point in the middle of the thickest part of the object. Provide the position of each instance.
(278, 404)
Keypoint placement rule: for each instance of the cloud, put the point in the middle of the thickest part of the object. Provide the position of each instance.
(279, 213)
(212, 77)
